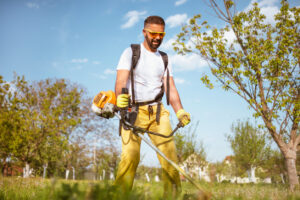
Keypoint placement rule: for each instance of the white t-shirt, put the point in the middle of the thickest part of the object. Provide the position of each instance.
(148, 73)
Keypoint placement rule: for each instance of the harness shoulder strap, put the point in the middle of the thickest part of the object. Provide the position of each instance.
(136, 52)
(165, 59)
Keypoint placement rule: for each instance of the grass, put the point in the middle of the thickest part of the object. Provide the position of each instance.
(46, 189)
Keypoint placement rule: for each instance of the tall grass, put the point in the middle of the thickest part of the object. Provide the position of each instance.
(54, 189)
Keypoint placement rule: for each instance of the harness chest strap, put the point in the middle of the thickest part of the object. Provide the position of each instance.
(136, 52)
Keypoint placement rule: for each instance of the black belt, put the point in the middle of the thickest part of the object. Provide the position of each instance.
(150, 108)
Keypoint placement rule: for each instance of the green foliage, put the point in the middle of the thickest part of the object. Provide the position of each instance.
(228, 168)
(107, 161)
(261, 65)
(37, 119)
(186, 144)
(249, 145)
(49, 123)
(274, 167)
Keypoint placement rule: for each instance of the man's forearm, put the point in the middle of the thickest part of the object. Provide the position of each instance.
(174, 95)
(175, 101)
(121, 81)
(118, 88)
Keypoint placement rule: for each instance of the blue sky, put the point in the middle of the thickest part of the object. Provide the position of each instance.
(83, 40)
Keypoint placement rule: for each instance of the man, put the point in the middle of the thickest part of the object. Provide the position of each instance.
(150, 76)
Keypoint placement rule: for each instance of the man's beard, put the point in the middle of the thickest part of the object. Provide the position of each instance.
(151, 43)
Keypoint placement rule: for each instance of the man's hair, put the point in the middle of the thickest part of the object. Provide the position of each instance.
(154, 20)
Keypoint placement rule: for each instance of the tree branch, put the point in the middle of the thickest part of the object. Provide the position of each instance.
(218, 10)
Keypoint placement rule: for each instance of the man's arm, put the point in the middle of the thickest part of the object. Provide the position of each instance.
(121, 80)
(183, 116)
(174, 96)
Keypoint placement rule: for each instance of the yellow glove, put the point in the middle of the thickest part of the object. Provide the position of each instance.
(123, 100)
(183, 117)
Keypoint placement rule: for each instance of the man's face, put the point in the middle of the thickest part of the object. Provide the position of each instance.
(154, 34)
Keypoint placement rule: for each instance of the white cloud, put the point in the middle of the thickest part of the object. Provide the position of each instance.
(267, 3)
(132, 18)
(96, 62)
(261, 3)
(99, 76)
(79, 60)
(179, 80)
(176, 20)
(32, 5)
(167, 46)
(230, 36)
(268, 8)
(54, 64)
(109, 71)
(78, 67)
(187, 62)
(180, 2)
(269, 12)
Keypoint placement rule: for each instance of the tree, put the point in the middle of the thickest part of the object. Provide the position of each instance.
(275, 168)
(96, 137)
(249, 146)
(6, 122)
(228, 168)
(186, 145)
(41, 117)
(261, 66)
(48, 125)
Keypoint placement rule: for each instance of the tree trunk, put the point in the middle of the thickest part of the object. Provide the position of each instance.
(282, 178)
(112, 177)
(251, 174)
(26, 170)
(3, 170)
(292, 172)
(147, 177)
(218, 178)
(103, 172)
(45, 170)
(290, 162)
(67, 174)
(73, 171)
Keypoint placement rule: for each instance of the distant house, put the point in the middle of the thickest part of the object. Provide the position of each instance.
(12, 170)
(228, 160)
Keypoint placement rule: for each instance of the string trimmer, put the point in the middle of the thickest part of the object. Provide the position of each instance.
(104, 105)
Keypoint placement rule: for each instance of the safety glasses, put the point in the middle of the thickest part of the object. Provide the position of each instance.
(154, 34)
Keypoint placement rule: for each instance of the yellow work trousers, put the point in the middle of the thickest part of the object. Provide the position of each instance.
(131, 144)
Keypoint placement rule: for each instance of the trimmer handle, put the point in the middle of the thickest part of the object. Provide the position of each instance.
(124, 91)
(125, 109)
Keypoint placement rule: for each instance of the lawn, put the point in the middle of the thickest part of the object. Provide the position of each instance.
(43, 189)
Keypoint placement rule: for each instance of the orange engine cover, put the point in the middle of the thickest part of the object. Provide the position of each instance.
(104, 97)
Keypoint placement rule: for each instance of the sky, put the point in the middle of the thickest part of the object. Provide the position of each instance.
(82, 41)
